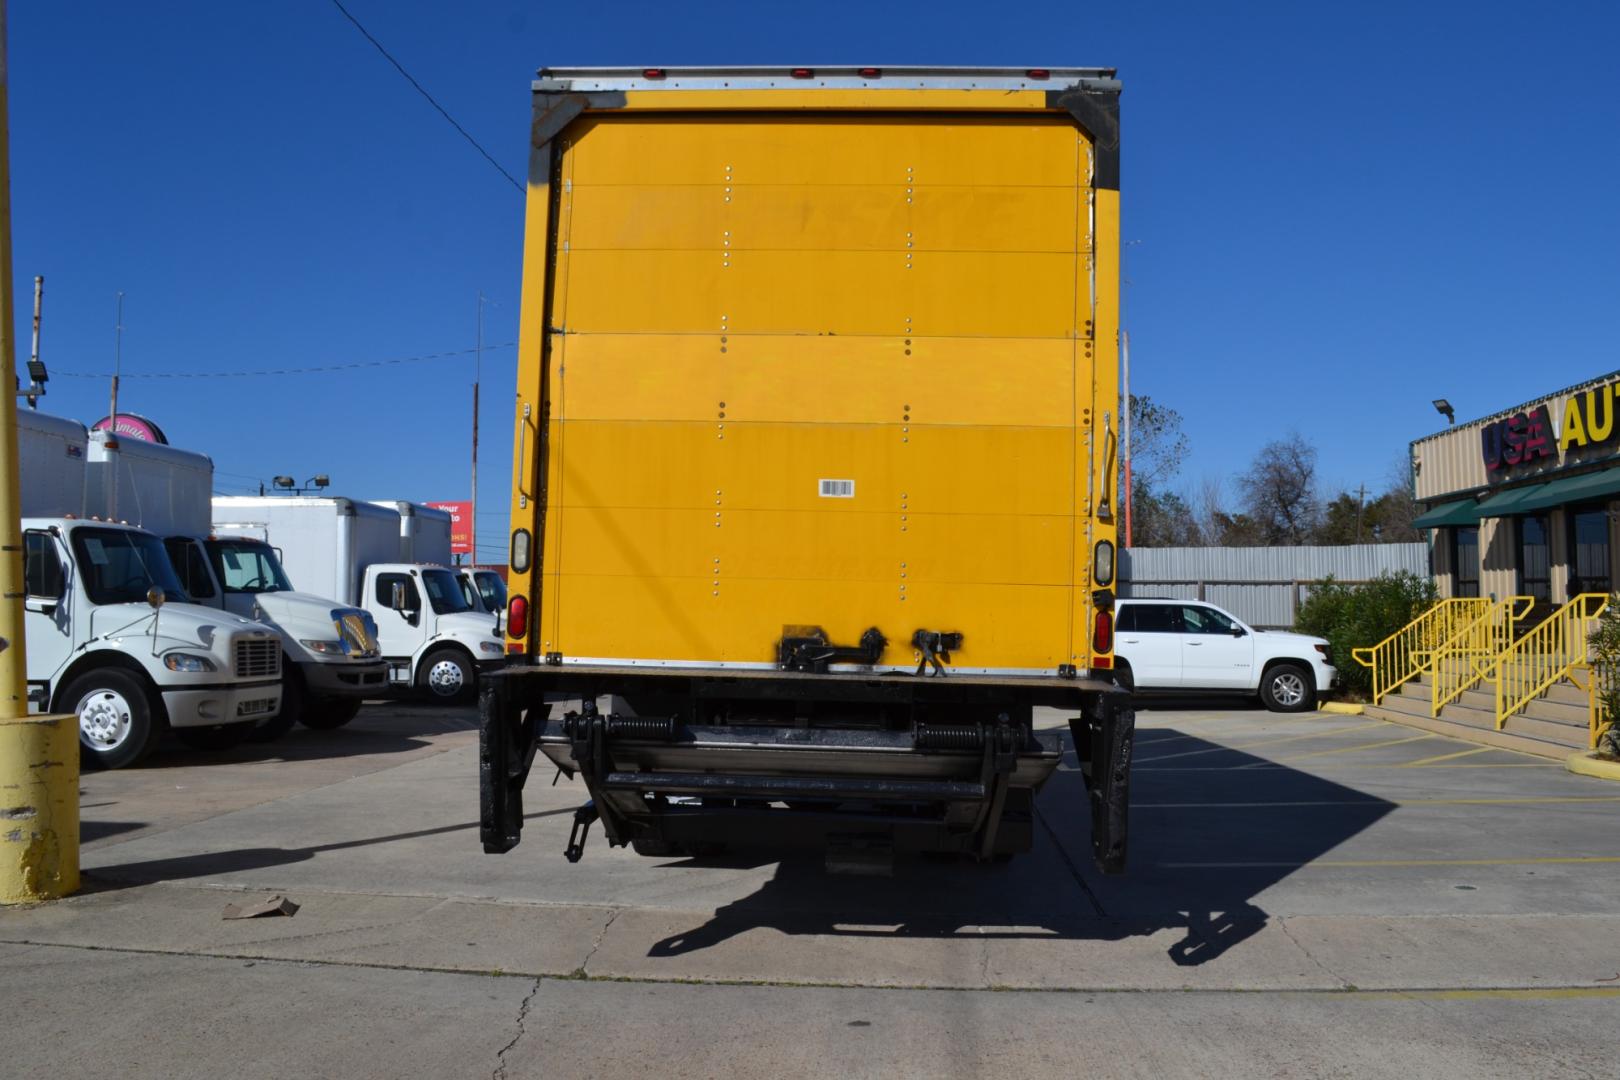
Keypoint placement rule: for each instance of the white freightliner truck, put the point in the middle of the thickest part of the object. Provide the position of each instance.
(429, 635)
(330, 660)
(425, 537)
(104, 640)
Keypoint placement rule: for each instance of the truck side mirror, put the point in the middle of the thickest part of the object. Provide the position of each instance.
(397, 599)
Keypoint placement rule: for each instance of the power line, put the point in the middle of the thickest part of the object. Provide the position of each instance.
(280, 371)
(421, 90)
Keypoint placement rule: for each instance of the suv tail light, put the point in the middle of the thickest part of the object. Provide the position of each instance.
(517, 617)
(1102, 633)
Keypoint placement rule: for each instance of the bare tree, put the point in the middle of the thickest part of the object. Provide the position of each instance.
(1279, 491)
(1158, 446)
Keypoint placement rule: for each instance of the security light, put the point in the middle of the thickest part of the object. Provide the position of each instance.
(36, 372)
(283, 481)
(1443, 407)
(321, 480)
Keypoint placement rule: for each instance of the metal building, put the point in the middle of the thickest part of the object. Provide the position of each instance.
(1522, 501)
(1263, 586)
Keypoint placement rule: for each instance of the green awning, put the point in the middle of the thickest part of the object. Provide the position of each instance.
(1509, 502)
(1573, 489)
(1461, 512)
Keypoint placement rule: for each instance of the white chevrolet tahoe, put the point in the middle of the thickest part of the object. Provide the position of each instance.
(1185, 645)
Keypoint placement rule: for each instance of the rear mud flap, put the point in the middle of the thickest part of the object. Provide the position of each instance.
(1103, 739)
(507, 740)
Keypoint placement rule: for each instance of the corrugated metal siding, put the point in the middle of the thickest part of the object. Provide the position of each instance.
(1260, 585)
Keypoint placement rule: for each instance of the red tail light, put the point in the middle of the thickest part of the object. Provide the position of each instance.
(1102, 633)
(803, 73)
(517, 617)
(652, 73)
(1038, 73)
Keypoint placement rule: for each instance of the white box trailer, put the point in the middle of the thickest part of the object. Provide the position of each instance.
(162, 489)
(424, 532)
(52, 459)
(430, 636)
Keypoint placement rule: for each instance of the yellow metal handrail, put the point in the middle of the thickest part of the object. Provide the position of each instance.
(1468, 656)
(1397, 658)
(1557, 649)
(1601, 681)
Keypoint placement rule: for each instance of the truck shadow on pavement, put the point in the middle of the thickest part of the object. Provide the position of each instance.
(1212, 827)
(381, 728)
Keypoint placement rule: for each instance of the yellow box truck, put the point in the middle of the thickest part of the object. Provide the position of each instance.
(814, 486)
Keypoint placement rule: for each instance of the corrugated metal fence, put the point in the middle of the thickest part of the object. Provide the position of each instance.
(1263, 586)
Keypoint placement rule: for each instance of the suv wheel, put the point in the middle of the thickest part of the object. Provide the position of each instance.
(1287, 688)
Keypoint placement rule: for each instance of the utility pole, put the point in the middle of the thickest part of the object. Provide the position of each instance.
(478, 373)
(33, 355)
(39, 755)
(1361, 507)
(112, 414)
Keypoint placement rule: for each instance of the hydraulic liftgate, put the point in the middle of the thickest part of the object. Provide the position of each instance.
(709, 762)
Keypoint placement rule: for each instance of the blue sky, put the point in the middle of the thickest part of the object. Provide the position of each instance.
(1341, 211)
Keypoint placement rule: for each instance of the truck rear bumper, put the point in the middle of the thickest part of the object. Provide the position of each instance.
(962, 780)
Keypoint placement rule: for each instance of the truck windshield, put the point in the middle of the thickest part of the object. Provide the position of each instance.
(118, 566)
(247, 566)
(443, 592)
(493, 591)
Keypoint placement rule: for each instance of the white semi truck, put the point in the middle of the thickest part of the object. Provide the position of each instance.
(429, 635)
(104, 639)
(330, 659)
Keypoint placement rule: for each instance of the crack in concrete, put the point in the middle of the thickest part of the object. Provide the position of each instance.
(1074, 869)
(597, 943)
(1282, 924)
(522, 1030)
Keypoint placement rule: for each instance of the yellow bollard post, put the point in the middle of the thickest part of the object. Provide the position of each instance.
(39, 808)
(39, 755)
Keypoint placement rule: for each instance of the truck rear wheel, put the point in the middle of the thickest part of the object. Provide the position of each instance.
(118, 718)
(447, 676)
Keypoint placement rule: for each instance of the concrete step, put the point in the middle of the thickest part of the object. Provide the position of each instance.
(1485, 736)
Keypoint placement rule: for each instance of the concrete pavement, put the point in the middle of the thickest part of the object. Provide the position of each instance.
(1298, 885)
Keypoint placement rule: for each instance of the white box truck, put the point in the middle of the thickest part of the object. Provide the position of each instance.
(424, 531)
(429, 634)
(104, 640)
(485, 591)
(330, 658)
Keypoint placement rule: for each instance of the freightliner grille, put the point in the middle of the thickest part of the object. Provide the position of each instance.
(258, 658)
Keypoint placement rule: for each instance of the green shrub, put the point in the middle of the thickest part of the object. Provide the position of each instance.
(1355, 616)
(1605, 655)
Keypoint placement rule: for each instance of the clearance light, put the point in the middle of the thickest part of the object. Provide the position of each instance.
(803, 73)
(652, 73)
(871, 73)
(517, 617)
(1038, 73)
(1102, 633)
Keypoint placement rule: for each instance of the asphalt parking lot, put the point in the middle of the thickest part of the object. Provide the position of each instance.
(1308, 895)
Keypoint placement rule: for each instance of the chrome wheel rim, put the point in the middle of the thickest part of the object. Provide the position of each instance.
(104, 719)
(1288, 688)
(444, 678)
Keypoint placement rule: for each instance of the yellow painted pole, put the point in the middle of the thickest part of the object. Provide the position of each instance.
(39, 755)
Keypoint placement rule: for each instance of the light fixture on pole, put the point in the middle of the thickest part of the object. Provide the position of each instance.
(1443, 407)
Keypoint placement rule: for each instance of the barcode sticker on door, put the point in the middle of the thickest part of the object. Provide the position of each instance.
(838, 489)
